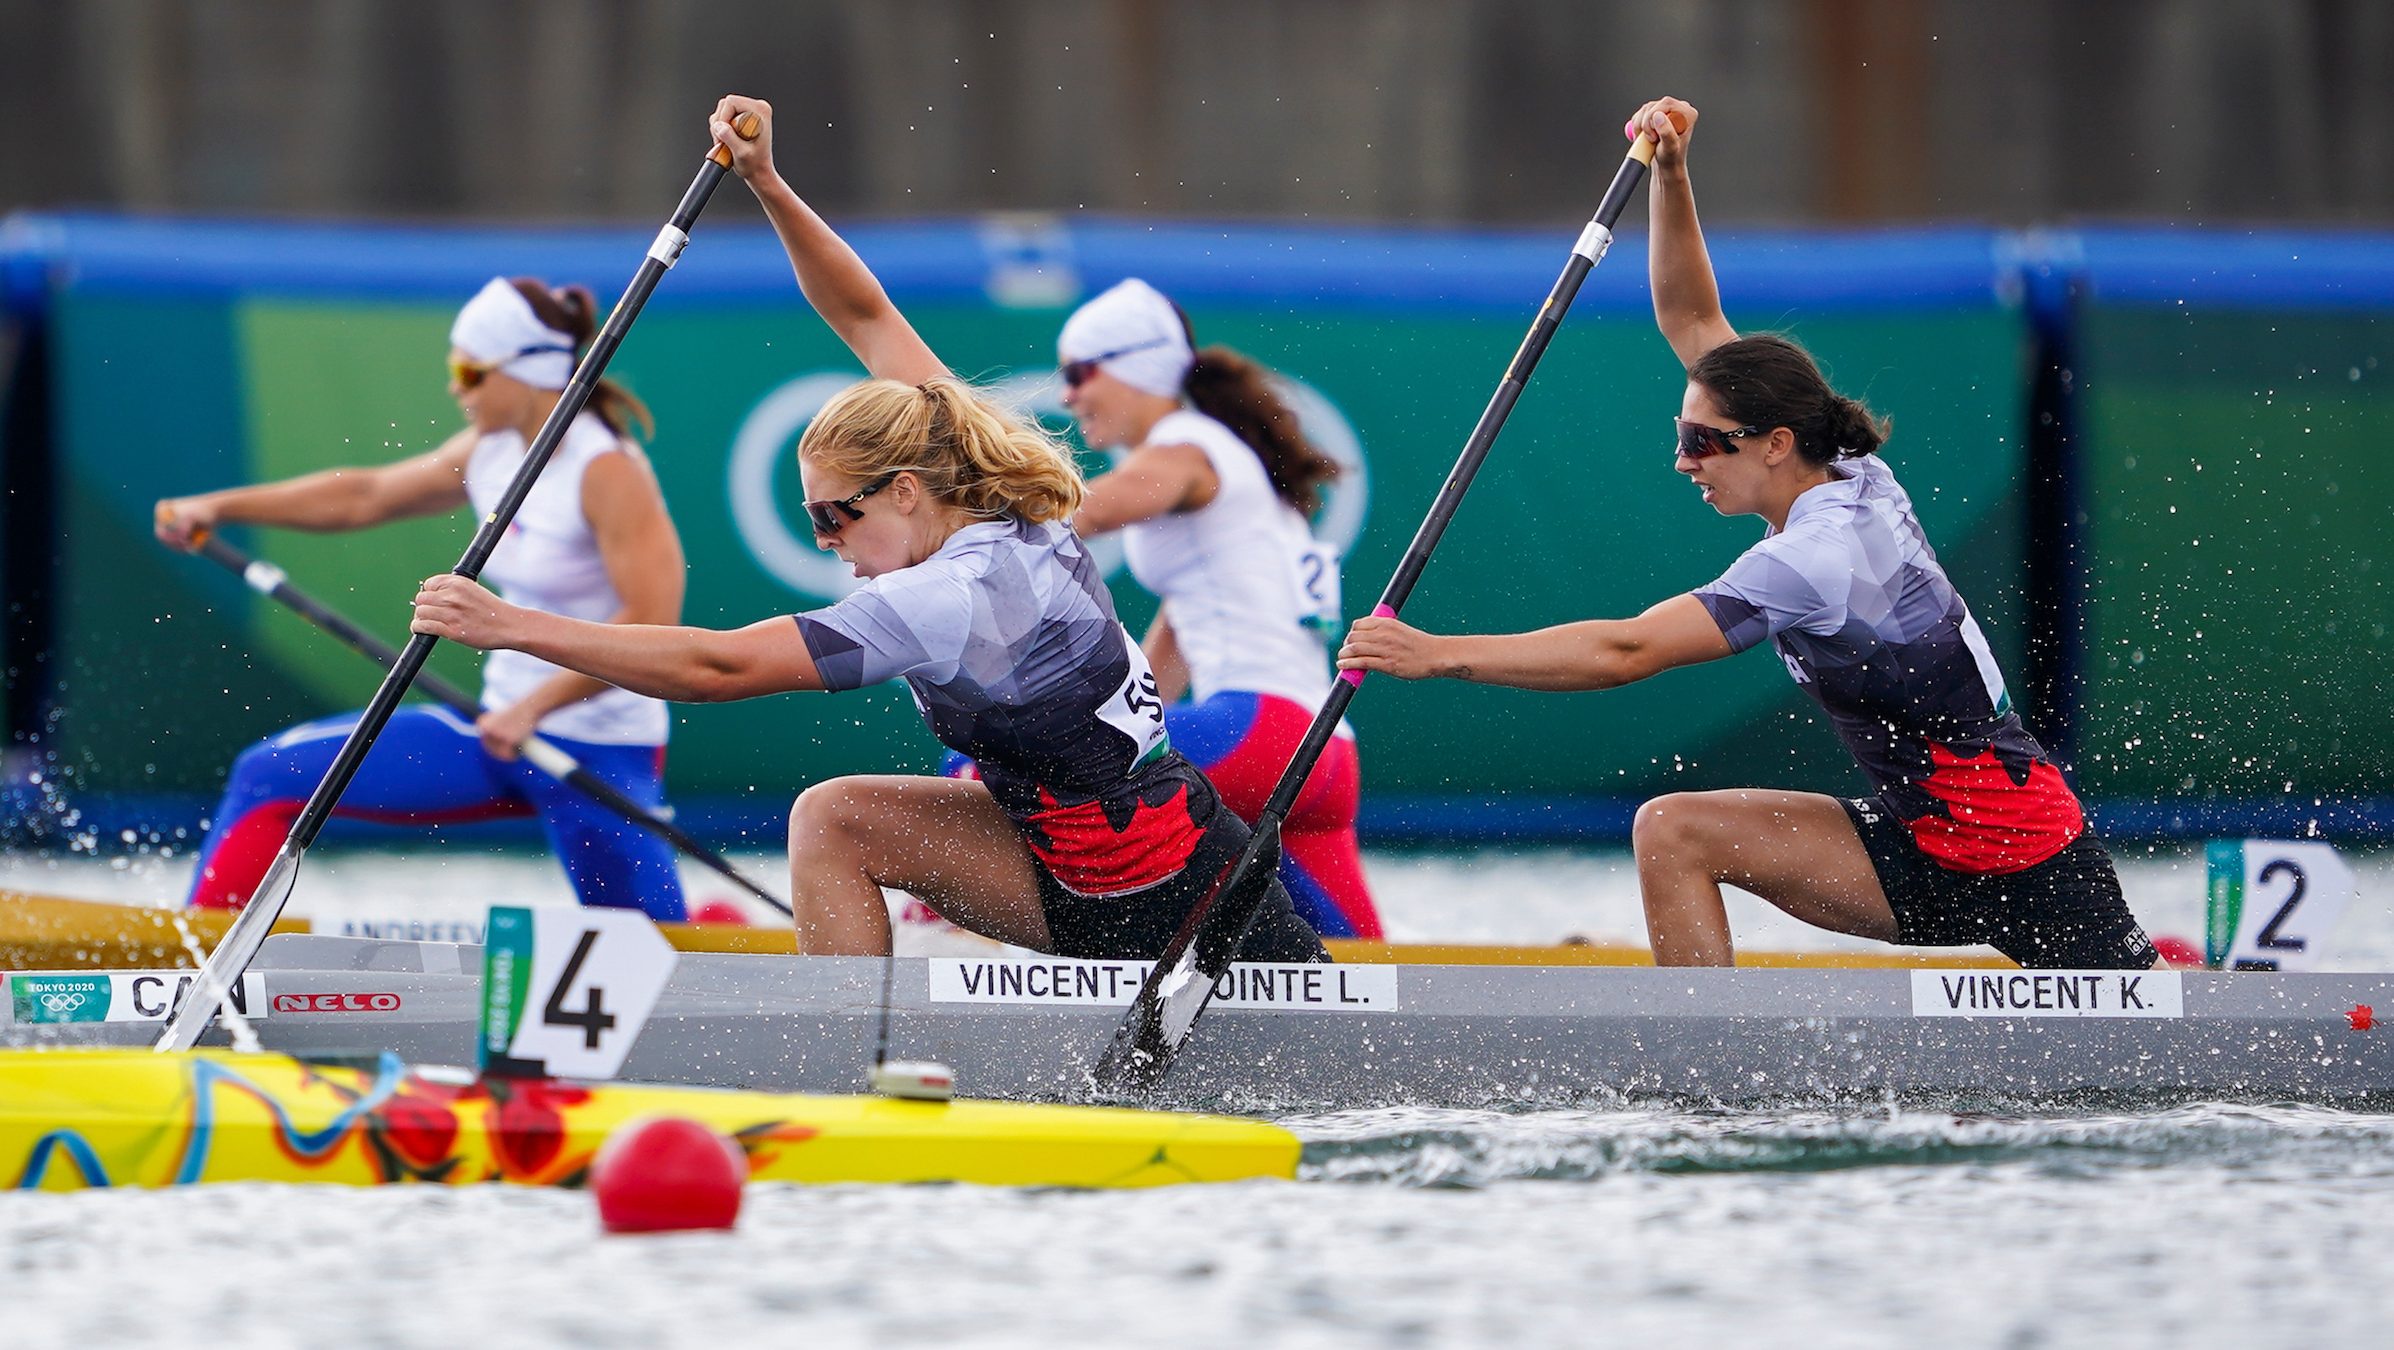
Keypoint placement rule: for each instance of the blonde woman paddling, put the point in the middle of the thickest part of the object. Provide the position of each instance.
(1087, 835)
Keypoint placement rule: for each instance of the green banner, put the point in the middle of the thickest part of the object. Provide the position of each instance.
(2241, 591)
(167, 667)
(170, 670)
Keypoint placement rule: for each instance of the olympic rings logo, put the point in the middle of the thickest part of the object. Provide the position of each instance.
(54, 1001)
(770, 432)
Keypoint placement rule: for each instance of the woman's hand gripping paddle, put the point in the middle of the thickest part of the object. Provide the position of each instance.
(1182, 983)
(241, 942)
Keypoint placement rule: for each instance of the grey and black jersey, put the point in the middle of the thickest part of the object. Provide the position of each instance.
(1007, 638)
(1853, 598)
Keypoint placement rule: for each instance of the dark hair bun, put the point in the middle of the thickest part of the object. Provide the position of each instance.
(1850, 428)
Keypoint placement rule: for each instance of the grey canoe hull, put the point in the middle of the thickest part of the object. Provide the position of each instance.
(1461, 1036)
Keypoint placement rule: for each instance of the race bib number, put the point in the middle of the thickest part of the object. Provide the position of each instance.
(1136, 708)
(565, 991)
(1318, 588)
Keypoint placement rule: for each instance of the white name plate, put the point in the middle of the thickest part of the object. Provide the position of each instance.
(117, 995)
(1055, 980)
(2047, 993)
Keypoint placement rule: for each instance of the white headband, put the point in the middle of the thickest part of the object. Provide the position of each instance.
(1134, 334)
(498, 328)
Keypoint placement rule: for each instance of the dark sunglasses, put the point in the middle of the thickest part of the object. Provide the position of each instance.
(1698, 441)
(1077, 373)
(471, 374)
(829, 518)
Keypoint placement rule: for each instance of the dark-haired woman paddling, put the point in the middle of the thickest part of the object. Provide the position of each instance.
(1213, 499)
(1972, 835)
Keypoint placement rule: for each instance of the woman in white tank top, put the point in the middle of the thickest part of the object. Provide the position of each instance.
(1213, 500)
(592, 541)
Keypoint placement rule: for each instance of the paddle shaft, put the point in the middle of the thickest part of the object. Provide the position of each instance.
(1181, 984)
(273, 583)
(233, 955)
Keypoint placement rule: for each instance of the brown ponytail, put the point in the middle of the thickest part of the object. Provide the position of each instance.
(573, 311)
(1238, 393)
(1764, 380)
(967, 451)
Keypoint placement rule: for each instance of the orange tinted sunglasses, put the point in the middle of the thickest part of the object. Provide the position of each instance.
(471, 374)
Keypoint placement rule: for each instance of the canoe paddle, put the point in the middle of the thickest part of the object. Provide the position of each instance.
(1182, 982)
(233, 955)
(275, 584)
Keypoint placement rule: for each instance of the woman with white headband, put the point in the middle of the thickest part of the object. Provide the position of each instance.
(1087, 834)
(593, 541)
(1213, 499)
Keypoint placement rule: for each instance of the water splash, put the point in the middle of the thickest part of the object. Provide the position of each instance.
(1467, 1149)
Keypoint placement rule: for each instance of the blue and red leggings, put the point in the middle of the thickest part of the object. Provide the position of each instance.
(1243, 741)
(429, 768)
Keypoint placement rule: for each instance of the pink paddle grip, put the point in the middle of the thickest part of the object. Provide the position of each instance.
(1356, 676)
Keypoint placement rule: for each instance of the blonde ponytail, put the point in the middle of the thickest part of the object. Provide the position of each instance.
(968, 452)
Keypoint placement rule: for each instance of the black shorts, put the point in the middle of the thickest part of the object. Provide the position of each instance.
(1138, 926)
(2065, 913)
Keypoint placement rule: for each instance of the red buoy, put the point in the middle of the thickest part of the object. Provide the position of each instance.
(666, 1174)
(719, 910)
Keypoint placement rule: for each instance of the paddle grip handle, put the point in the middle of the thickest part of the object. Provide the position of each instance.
(1355, 677)
(746, 128)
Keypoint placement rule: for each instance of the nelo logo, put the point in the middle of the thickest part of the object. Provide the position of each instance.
(335, 1003)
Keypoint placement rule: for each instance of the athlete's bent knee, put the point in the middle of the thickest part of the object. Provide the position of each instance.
(1671, 824)
(822, 813)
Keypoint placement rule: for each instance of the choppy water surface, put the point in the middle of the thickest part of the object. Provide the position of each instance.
(2186, 1225)
(2194, 1226)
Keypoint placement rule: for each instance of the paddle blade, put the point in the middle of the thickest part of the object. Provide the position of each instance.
(1141, 1051)
(224, 967)
(1160, 1019)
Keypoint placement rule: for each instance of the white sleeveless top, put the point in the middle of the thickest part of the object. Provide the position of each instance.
(549, 561)
(1252, 595)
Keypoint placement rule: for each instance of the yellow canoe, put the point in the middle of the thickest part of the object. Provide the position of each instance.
(48, 933)
(71, 1119)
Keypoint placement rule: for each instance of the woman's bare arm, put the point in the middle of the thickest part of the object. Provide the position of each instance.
(834, 280)
(1592, 654)
(328, 500)
(1154, 480)
(1687, 300)
(679, 664)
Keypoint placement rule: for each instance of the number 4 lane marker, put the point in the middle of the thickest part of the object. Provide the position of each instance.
(565, 991)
